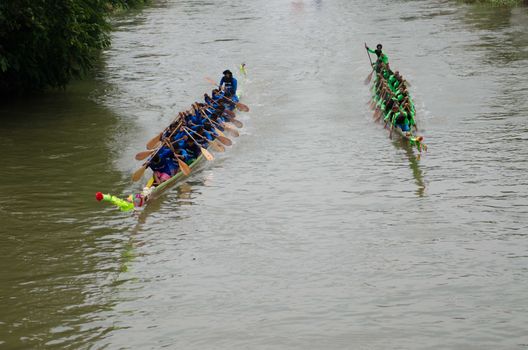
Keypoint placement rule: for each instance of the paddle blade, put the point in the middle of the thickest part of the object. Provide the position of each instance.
(232, 131)
(153, 143)
(206, 154)
(237, 123)
(211, 81)
(217, 147)
(139, 173)
(230, 114)
(242, 107)
(377, 115)
(224, 140)
(186, 170)
(368, 78)
(143, 155)
(219, 132)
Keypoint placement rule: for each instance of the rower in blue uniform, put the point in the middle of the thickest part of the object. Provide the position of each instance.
(229, 83)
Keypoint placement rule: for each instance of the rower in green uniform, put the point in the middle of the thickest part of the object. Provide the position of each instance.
(382, 58)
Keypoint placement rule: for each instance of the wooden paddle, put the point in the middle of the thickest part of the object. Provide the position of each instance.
(205, 153)
(222, 139)
(186, 170)
(369, 77)
(217, 146)
(229, 113)
(218, 131)
(239, 105)
(230, 129)
(143, 155)
(226, 127)
(236, 123)
(154, 142)
(138, 174)
(377, 112)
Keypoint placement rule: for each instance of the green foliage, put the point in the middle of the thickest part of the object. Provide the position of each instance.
(46, 43)
(495, 2)
(126, 4)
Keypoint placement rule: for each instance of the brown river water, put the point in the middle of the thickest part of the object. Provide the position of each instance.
(314, 230)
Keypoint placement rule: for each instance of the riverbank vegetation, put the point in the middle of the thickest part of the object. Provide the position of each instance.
(496, 2)
(46, 44)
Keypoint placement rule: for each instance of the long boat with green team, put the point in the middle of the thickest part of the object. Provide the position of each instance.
(391, 100)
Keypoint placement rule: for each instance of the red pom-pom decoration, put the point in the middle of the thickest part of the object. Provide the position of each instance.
(99, 196)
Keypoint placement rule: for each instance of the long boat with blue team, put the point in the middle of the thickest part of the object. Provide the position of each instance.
(391, 100)
(175, 152)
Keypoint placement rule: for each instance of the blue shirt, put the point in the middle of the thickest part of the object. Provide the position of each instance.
(231, 86)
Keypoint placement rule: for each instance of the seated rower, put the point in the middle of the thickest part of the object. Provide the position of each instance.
(192, 150)
(400, 121)
(216, 94)
(409, 113)
(228, 83)
(402, 93)
(227, 103)
(178, 136)
(393, 111)
(394, 81)
(208, 131)
(209, 101)
(163, 167)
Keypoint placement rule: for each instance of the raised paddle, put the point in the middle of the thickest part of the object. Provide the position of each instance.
(143, 155)
(205, 153)
(242, 107)
(369, 77)
(154, 142)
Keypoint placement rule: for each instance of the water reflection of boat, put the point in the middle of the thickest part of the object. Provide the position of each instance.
(414, 164)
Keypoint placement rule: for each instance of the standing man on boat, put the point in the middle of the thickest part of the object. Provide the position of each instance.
(379, 53)
(229, 83)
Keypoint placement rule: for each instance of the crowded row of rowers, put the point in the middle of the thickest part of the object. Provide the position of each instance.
(391, 98)
(192, 132)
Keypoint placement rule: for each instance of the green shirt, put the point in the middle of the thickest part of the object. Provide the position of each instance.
(381, 57)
